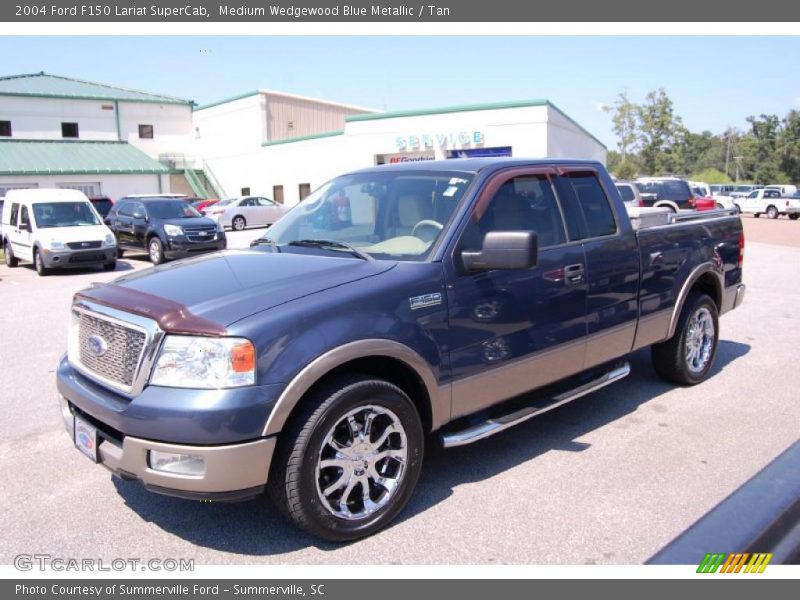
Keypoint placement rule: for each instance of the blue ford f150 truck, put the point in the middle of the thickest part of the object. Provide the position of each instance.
(391, 303)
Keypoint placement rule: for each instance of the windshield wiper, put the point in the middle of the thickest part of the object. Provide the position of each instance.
(265, 242)
(331, 244)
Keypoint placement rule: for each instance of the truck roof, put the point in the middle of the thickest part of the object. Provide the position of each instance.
(475, 165)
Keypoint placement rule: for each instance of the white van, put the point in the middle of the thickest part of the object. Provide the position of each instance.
(55, 228)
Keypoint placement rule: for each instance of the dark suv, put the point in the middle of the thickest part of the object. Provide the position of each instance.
(165, 228)
(669, 192)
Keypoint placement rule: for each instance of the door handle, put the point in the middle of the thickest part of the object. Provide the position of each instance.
(573, 274)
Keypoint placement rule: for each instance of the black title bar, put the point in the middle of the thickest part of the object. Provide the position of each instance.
(438, 11)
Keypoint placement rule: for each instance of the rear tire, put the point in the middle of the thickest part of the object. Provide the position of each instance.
(349, 460)
(238, 223)
(687, 357)
(11, 260)
(38, 264)
(110, 266)
(794, 216)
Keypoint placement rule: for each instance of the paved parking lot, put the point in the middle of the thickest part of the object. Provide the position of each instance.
(608, 479)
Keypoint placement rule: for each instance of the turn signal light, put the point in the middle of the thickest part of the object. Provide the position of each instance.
(243, 358)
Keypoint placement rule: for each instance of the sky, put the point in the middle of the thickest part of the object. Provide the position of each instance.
(714, 82)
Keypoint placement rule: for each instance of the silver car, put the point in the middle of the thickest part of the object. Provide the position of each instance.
(246, 211)
(630, 193)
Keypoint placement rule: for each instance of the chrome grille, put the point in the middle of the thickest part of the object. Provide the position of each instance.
(123, 350)
(201, 233)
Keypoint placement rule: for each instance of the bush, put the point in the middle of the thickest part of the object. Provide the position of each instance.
(711, 176)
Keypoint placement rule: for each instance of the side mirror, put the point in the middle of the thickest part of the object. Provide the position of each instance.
(504, 250)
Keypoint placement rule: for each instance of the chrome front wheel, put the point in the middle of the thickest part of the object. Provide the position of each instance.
(362, 462)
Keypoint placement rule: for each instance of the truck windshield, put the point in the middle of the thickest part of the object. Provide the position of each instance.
(397, 215)
(63, 214)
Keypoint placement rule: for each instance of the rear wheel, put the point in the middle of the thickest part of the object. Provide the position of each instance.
(112, 266)
(688, 356)
(772, 212)
(238, 223)
(156, 251)
(794, 216)
(11, 260)
(38, 263)
(348, 462)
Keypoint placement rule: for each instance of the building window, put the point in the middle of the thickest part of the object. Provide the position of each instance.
(245, 191)
(277, 193)
(5, 128)
(89, 189)
(305, 190)
(69, 130)
(146, 132)
(5, 187)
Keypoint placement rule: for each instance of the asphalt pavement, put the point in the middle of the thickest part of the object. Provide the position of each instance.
(607, 479)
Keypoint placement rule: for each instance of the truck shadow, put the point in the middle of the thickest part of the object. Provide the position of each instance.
(255, 528)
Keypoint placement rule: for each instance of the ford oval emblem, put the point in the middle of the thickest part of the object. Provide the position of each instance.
(97, 346)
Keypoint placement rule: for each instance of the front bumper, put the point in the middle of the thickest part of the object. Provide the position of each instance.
(232, 472)
(75, 259)
(181, 248)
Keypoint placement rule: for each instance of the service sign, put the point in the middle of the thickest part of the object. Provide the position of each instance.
(453, 139)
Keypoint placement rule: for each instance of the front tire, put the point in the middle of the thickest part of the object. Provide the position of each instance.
(687, 357)
(772, 212)
(11, 260)
(38, 264)
(112, 266)
(155, 249)
(348, 462)
(238, 223)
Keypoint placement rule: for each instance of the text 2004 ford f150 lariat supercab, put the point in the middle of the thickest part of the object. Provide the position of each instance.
(393, 302)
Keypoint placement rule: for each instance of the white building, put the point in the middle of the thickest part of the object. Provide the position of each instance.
(104, 140)
(287, 167)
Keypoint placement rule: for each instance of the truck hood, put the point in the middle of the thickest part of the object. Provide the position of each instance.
(219, 289)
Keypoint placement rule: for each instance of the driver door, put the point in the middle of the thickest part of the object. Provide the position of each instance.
(514, 330)
(21, 241)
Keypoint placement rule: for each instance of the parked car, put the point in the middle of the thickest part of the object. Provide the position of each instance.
(670, 192)
(246, 211)
(742, 190)
(766, 201)
(102, 204)
(164, 228)
(793, 207)
(721, 189)
(785, 189)
(700, 188)
(391, 303)
(202, 204)
(55, 229)
(629, 193)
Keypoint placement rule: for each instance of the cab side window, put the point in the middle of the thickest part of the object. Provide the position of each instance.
(24, 219)
(524, 203)
(125, 209)
(14, 214)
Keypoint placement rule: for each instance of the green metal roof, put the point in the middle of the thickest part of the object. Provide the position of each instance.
(43, 85)
(303, 138)
(446, 109)
(33, 157)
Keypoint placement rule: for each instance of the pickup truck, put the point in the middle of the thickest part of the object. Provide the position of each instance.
(393, 303)
(768, 202)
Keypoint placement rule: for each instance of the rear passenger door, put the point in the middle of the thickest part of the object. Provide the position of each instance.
(612, 263)
(514, 330)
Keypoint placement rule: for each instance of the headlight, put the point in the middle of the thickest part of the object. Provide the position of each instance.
(172, 230)
(110, 241)
(56, 245)
(205, 362)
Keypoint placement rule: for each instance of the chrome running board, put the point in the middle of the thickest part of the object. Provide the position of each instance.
(498, 424)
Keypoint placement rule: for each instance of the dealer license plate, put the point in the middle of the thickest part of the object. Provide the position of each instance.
(86, 438)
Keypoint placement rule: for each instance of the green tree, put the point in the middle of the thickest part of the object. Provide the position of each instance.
(710, 175)
(624, 119)
(765, 131)
(626, 169)
(788, 146)
(659, 128)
